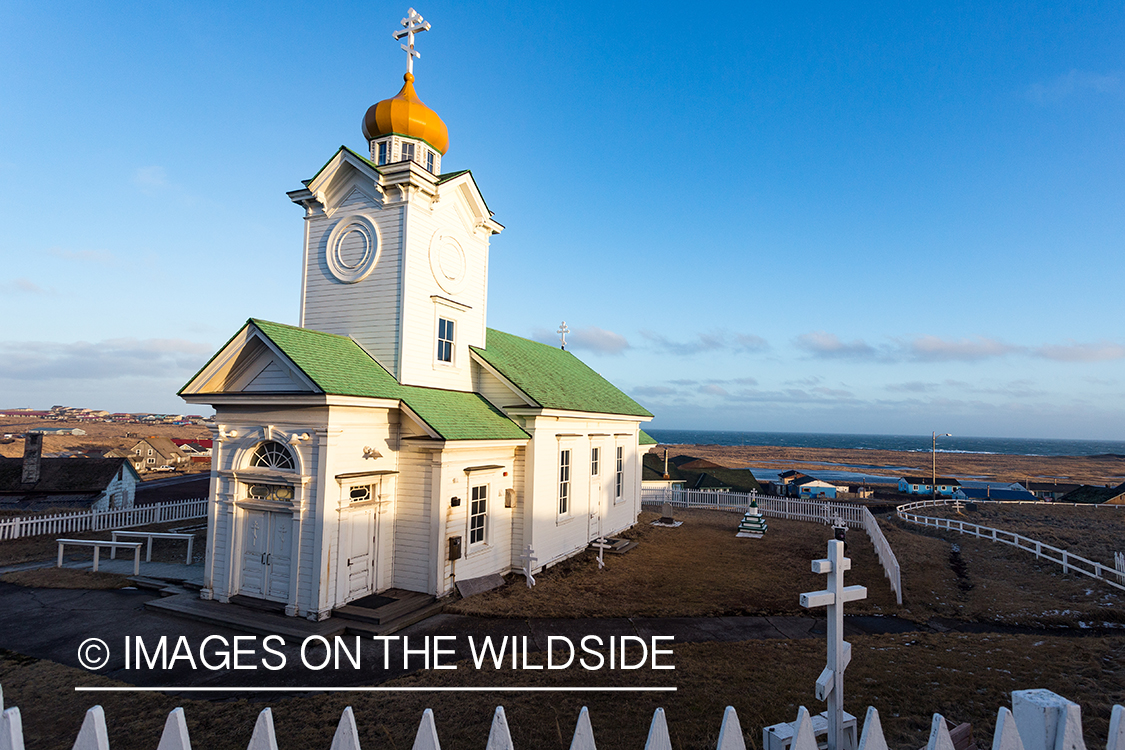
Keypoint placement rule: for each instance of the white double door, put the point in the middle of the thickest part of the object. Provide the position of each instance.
(267, 554)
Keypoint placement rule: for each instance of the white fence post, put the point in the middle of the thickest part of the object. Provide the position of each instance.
(1071, 563)
(583, 733)
(93, 520)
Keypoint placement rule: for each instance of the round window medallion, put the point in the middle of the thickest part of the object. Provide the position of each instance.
(448, 263)
(353, 249)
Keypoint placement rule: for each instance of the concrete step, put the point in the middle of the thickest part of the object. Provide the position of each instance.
(355, 627)
(245, 619)
(405, 603)
(149, 584)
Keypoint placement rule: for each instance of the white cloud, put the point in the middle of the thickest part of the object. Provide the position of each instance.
(934, 349)
(597, 340)
(748, 342)
(707, 342)
(914, 386)
(653, 390)
(103, 360)
(1076, 352)
(23, 286)
(828, 345)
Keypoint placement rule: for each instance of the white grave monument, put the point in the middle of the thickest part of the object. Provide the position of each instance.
(528, 559)
(830, 684)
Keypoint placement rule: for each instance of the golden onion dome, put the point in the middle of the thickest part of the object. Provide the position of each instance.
(404, 114)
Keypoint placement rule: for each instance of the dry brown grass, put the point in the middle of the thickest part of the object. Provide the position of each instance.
(1080, 469)
(702, 569)
(45, 546)
(66, 578)
(698, 569)
(965, 677)
(991, 582)
(1092, 531)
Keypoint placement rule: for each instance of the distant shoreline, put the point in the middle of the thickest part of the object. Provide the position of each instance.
(910, 444)
(995, 467)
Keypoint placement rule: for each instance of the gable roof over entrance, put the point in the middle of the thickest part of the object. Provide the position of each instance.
(554, 378)
(338, 366)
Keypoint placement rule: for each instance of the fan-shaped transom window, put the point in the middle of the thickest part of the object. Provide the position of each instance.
(273, 455)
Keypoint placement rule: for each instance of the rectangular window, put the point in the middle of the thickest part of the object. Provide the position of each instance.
(152, 460)
(595, 459)
(359, 494)
(384, 152)
(619, 480)
(408, 152)
(478, 514)
(429, 160)
(564, 482)
(445, 340)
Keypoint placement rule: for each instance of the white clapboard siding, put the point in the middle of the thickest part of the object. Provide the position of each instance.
(274, 378)
(412, 522)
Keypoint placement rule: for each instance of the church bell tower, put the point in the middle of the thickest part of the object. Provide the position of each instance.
(396, 252)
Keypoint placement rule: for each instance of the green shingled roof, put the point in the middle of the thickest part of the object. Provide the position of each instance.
(340, 367)
(554, 378)
(643, 438)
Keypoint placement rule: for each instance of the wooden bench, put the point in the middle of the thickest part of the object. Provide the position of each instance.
(97, 544)
(150, 535)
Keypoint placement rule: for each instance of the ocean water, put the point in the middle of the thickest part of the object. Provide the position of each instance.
(911, 443)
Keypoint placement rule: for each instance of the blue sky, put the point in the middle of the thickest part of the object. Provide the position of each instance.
(890, 219)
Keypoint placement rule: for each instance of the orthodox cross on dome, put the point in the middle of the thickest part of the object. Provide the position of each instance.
(412, 24)
(830, 684)
(562, 332)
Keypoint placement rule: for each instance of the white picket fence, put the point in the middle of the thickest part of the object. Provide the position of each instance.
(101, 520)
(1039, 720)
(1071, 563)
(791, 508)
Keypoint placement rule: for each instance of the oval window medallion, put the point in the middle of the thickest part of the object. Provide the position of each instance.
(353, 249)
(448, 263)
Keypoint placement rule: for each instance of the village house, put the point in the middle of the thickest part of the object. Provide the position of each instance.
(37, 483)
(391, 439)
(151, 453)
(1005, 494)
(1110, 495)
(925, 485)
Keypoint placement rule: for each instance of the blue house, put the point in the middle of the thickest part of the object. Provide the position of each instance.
(811, 487)
(924, 486)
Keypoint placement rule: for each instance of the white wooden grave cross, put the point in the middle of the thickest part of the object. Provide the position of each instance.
(528, 558)
(411, 25)
(830, 684)
(602, 544)
(562, 332)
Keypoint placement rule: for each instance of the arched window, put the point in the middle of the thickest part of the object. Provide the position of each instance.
(273, 455)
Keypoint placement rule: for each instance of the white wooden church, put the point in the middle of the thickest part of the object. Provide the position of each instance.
(392, 440)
